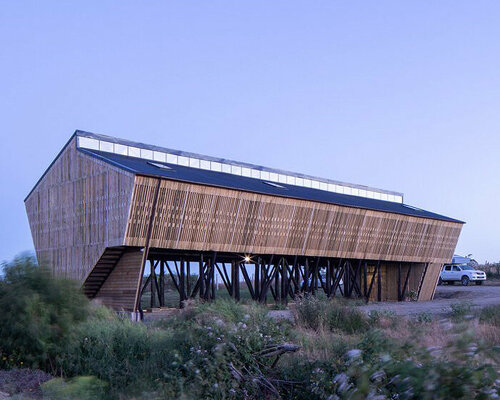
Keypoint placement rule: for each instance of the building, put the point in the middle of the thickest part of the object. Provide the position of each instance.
(107, 210)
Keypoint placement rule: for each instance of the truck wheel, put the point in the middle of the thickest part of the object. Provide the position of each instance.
(479, 283)
(465, 280)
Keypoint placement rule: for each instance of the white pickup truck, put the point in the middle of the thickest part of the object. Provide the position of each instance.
(461, 273)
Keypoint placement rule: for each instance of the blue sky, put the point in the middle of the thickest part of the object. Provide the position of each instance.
(398, 95)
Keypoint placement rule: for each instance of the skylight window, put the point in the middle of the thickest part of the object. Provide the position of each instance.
(273, 184)
(158, 165)
(413, 208)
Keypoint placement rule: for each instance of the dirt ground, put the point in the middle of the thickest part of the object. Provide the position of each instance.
(446, 295)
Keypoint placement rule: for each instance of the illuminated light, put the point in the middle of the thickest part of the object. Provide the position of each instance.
(247, 259)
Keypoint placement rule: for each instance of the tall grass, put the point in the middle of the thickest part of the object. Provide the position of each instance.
(334, 315)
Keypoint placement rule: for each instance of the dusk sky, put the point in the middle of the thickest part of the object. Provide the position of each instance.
(399, 95)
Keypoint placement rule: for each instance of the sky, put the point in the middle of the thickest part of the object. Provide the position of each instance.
(399, 95)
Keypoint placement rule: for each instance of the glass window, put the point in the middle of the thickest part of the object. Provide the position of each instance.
(226, 168)
(264, 175)
(347, 190)
(246, 172)
(281, 178)
(134, 152)
(105, 146)
(147, 154)
(299, 181)
(447, 268)
(121, 149)
(255, 173)
(273, 176)
(194, 163)
(331, 187)
(159, 156)
(290, 180)
(307, 183)
(455, 268)
(204, 164)
(182, 160)
(88, 143)
(355, 192)
(323, 186)
(172, 159)
(235, 170)
(216, 166)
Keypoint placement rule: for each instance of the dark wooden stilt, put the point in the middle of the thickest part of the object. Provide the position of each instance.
(379, 283)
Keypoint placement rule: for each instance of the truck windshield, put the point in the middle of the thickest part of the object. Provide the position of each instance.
(466, 268)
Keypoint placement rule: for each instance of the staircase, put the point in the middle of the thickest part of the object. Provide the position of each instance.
(101, 271)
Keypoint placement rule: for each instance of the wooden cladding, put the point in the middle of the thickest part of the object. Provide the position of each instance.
(79, 208)
(203, 218)
(118, 291)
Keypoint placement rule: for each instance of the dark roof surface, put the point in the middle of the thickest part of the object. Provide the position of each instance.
(221, 179)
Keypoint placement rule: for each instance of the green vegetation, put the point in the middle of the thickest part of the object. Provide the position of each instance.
(226, 350)
(490, 315)
(38, 314)
(459, 311)
(317, 314)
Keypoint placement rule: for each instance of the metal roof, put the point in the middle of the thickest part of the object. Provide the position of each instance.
(219, 179)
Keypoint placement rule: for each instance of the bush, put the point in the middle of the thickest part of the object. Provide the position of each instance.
(207, 351)
(334, 315)
(424, 317)
(460, 310)
(490, 315)
(79, 388)
(379, 368)
(39, 314)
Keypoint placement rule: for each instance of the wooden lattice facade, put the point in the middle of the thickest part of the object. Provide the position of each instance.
(100, 221)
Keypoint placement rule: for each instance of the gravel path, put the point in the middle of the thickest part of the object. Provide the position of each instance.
(446, 295)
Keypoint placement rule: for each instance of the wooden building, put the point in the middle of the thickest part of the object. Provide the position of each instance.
(107, 210)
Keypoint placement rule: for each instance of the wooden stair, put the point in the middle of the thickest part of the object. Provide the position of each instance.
(101, 271)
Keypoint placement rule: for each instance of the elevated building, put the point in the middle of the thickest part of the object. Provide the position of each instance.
(107, 210)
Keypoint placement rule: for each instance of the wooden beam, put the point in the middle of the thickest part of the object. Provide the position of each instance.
(146, 247)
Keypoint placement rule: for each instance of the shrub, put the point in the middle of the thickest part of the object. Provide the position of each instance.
(490, 315)
(207, 351)
(334, 315)
(381, 369)
(39, 313)
(460, 310)
(424, 317)
(79, 388)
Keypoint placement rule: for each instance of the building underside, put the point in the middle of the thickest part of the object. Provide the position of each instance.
(263, 278)
(135, 231)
